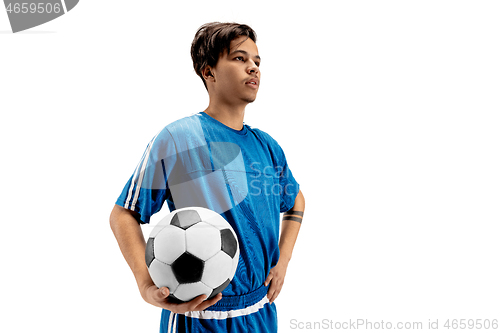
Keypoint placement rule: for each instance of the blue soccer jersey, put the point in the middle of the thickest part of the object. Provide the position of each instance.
(242, 175)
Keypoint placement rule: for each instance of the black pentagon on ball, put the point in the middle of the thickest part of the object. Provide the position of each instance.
(229, 243)
(185, 218)
(188, 268)
(150, 251)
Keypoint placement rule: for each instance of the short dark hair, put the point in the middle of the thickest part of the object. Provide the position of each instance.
(212, 39)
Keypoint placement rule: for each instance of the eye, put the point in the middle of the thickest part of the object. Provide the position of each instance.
(239, 58)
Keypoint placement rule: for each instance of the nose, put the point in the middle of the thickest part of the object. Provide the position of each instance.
(253, 68)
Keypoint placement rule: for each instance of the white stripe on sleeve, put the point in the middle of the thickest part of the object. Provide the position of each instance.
(141, 176)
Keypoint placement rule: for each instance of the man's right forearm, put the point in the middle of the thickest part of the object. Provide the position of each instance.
(130, 238)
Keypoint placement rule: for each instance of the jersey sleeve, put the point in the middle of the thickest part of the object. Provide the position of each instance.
(288, 184)
(147, 188)
(289, 188)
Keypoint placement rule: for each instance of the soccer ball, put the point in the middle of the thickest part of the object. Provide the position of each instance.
(192, 251)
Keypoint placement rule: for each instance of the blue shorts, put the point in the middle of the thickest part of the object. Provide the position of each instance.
(244, 313)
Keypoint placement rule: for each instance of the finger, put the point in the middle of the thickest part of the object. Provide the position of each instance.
(270, 297)
(161, 294)
(194, 303)
(271, 290)
(209, 302)
(275, 295)
(268, 280)
(164, 292)
(274, 290)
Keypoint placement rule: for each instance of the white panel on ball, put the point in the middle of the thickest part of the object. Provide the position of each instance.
(160, 225)
(163, 276)
(217, 221)
(217, 270)
(169, 244)
(203, 240)
(212, 218)
(188, 291)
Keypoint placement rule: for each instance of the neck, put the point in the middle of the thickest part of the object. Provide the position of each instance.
(228, 115)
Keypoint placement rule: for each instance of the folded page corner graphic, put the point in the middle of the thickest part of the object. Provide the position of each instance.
(26, 14)
(70, 4)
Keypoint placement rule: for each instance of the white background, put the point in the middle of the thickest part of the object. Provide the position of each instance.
(388, 112)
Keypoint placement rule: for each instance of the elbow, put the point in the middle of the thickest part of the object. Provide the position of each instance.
(113, 219)
(120, 215)
(300, 202)
(302, 199)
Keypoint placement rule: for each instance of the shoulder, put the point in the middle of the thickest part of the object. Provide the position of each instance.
(186, 124)
(181, 129)
(264, 137)
(270, 143)
(175, 132)
(184, 133)
(267, 140)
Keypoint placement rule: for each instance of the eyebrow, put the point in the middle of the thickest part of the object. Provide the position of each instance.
(245, 53)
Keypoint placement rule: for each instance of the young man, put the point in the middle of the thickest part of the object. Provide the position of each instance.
(213, 160)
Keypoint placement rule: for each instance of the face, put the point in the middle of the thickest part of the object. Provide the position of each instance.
(236, 77)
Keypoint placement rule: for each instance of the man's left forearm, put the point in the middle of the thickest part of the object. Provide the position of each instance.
(290, 227)
(289, 231)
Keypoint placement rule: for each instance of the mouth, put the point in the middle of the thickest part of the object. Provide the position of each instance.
(253, 83)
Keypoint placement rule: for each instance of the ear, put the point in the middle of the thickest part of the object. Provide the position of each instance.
(208, 74)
